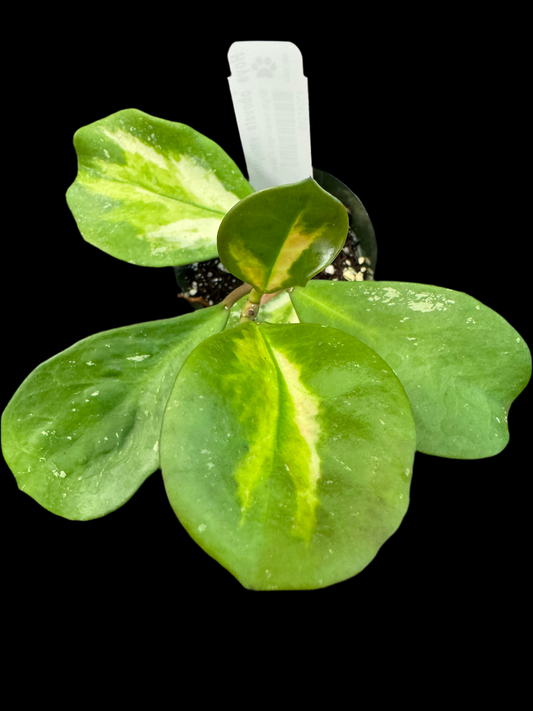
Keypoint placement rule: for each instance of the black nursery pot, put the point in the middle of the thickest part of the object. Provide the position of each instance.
(207, 283)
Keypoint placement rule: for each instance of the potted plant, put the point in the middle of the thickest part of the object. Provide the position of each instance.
(287, 450)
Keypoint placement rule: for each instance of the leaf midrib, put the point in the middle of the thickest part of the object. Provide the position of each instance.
(289, 232)
(269, 497)
(148, 190)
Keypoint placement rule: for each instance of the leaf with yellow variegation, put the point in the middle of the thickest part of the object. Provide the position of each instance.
(287, 453)
(281, 237)
(152, 192)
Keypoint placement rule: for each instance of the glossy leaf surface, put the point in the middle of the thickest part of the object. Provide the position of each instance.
(279, 237)
(461, 363)
(150, 191)
(81, 434)
(287, 453)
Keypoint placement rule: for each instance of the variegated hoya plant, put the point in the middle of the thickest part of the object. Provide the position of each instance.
(286, 433)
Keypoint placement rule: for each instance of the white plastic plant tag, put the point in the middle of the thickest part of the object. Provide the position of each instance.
(269, 92)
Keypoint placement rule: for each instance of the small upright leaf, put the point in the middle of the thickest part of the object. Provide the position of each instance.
(281, 237)
(287, 453)
(152, 192)
(460, 362)
(81, 434)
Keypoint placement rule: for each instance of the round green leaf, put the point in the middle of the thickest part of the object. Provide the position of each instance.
(279, 237)
(461, 363)
(150, 191)
(81, 434)
(287, 453)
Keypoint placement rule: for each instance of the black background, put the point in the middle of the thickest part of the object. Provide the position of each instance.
(423, 129)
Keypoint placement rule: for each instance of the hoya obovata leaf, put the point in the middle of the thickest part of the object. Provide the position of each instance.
(152, 192)
(279, 237)
(460, 362)
(287, 453)
(81, 434)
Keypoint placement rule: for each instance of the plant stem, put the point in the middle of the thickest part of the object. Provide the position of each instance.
(251, 307)
(236, 294)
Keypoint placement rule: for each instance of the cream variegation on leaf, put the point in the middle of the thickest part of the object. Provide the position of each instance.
(281, 237)
(152, 192)
(287, 453)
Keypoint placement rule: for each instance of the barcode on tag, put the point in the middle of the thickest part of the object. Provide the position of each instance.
(270, 97)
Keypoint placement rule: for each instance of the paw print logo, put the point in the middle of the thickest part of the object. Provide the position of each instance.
(264, 67)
